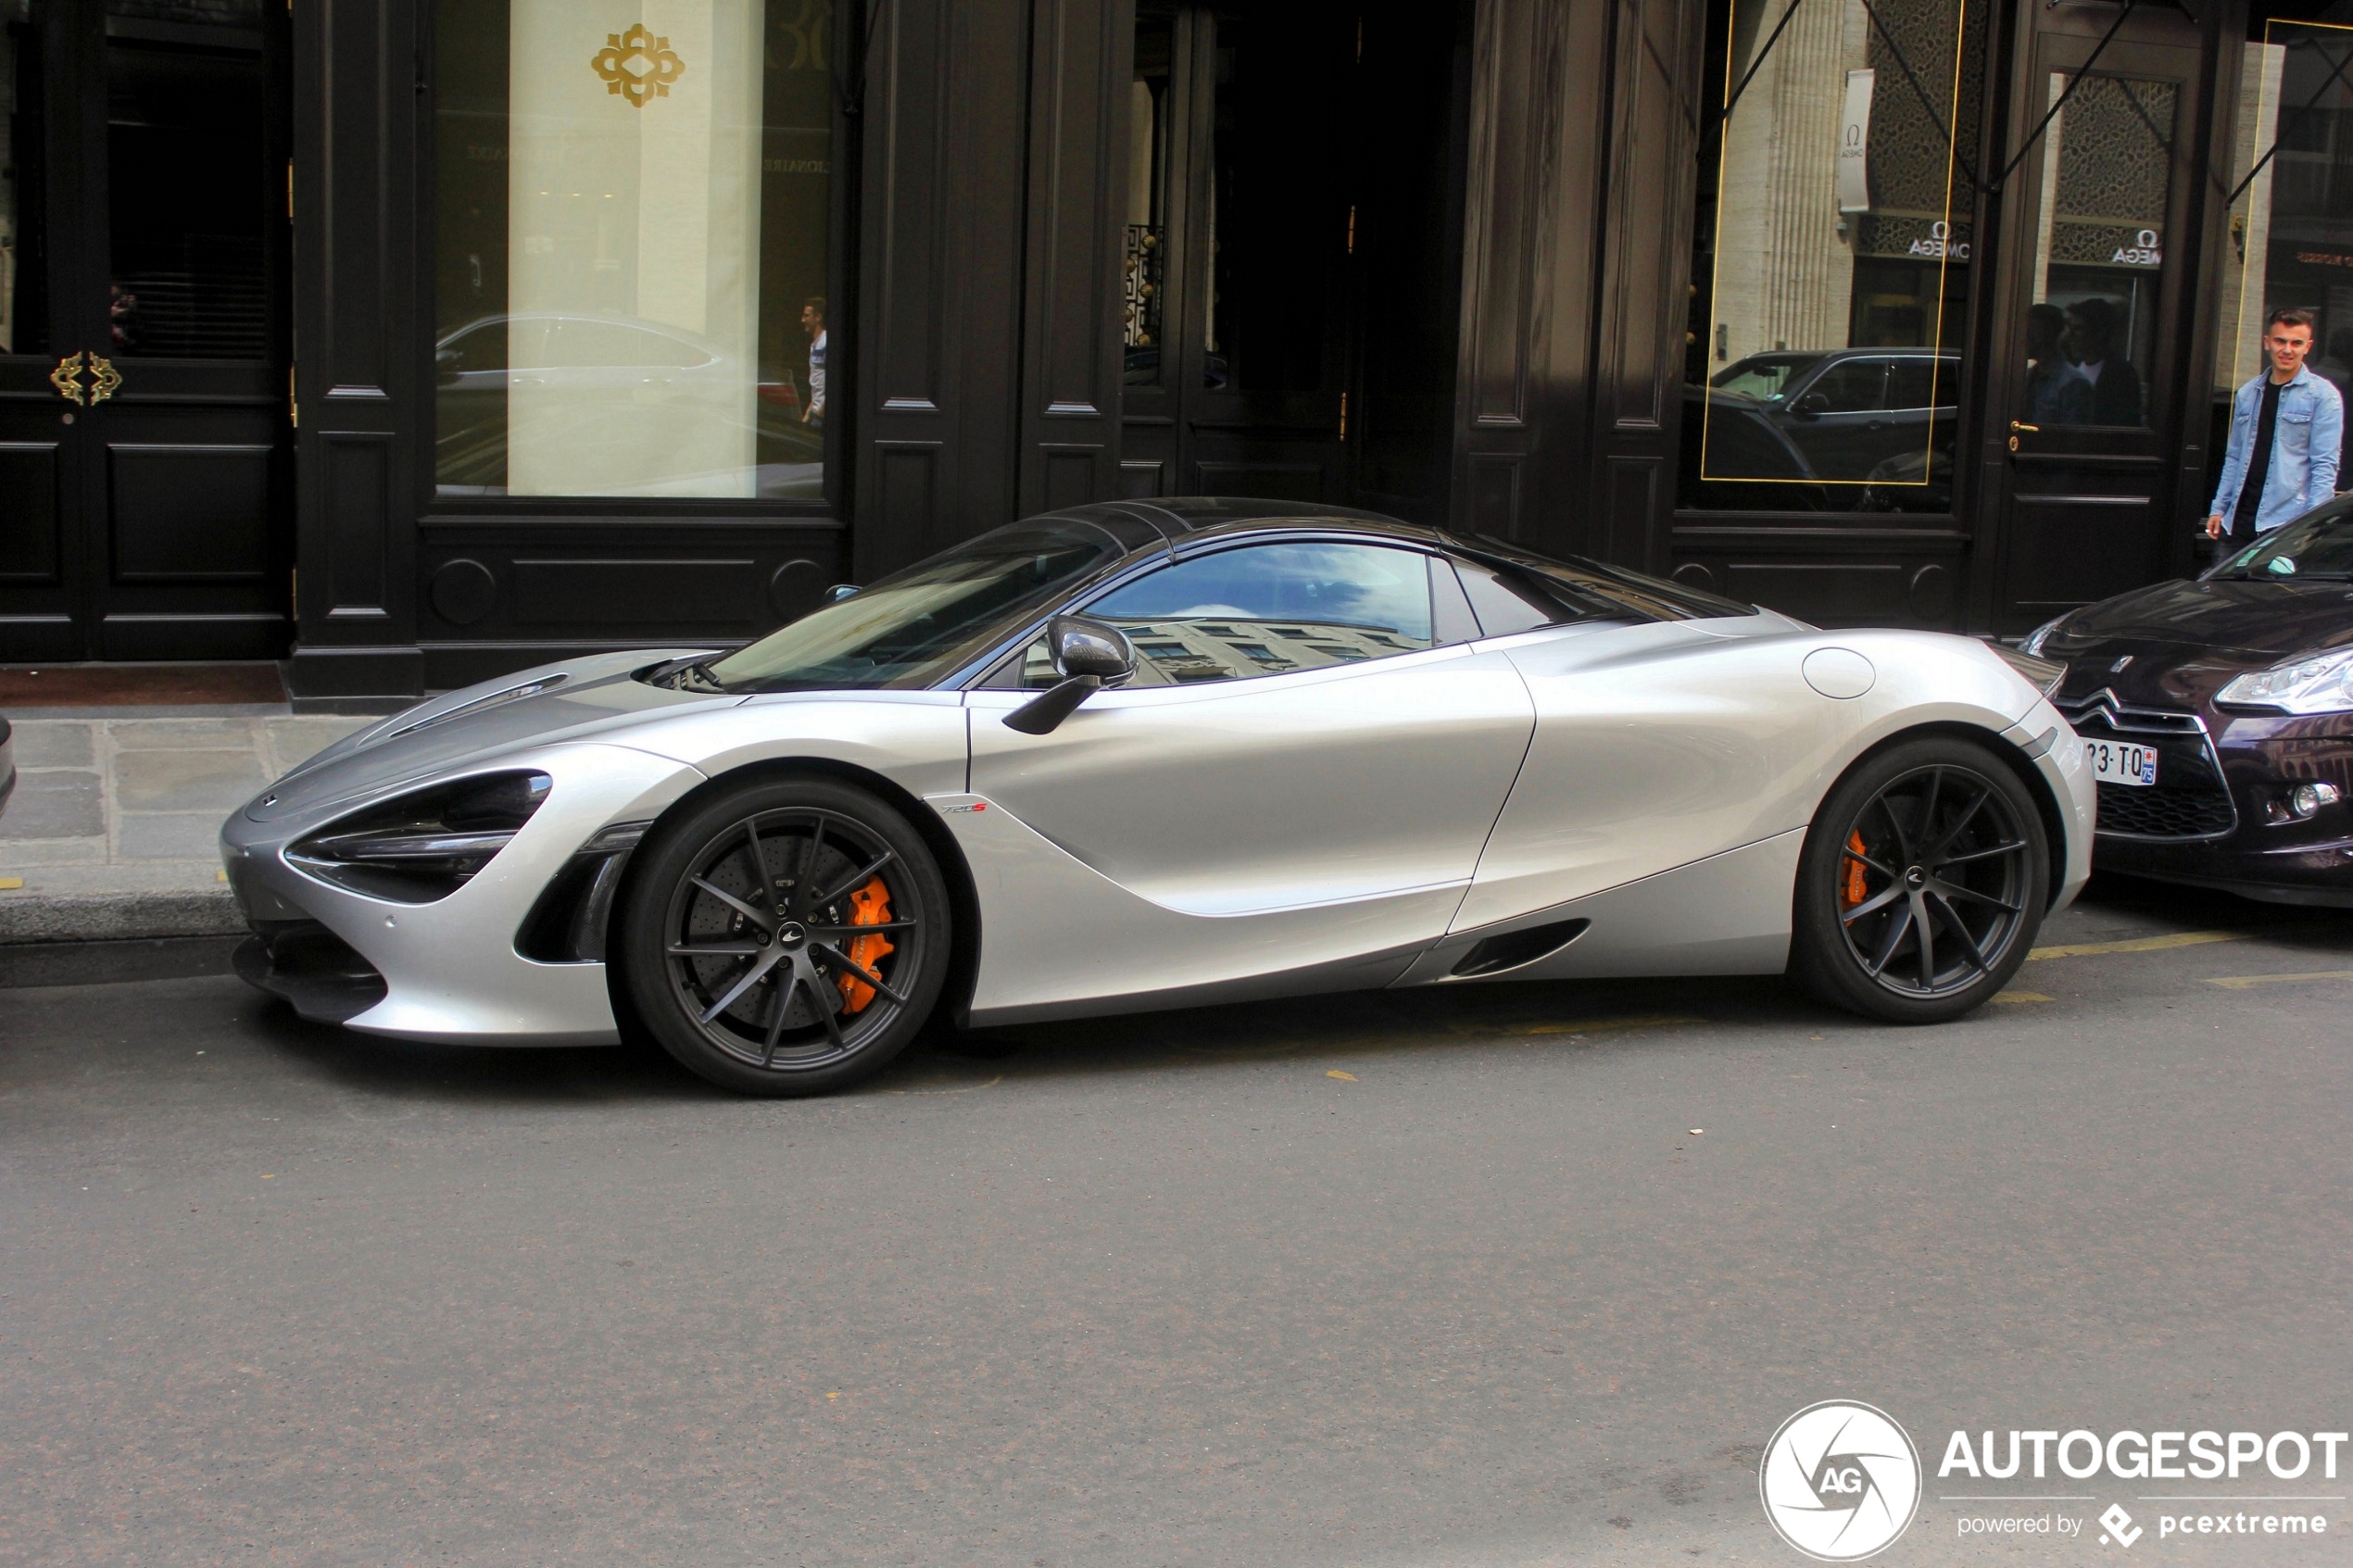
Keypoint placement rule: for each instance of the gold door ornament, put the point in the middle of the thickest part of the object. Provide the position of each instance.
(105, 378)
(637, 65)
(67, 378)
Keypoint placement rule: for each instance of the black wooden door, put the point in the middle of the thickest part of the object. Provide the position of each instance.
(2101, 246)
(144, 414)
(1239, 237)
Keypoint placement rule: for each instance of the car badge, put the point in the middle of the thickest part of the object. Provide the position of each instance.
(2117, 667)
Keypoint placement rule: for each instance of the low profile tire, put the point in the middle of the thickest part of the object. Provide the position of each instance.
(785, 935)
(1921, 884)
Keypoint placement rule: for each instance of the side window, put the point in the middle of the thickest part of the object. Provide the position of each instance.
(1266, 609)
(1925, 382)
(1852, 386)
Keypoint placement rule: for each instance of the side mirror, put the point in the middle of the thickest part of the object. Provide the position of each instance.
(841, 590)
(1813, 406)
(1088, 655)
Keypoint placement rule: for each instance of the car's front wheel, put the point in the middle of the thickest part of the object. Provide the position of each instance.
(785, 935)
(1921, 884)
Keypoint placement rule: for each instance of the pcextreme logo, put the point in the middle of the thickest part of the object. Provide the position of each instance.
(1839, 1481)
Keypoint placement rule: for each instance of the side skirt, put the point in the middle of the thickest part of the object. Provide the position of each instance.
(1728, 914)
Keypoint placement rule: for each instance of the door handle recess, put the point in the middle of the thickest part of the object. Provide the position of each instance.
(67, 378)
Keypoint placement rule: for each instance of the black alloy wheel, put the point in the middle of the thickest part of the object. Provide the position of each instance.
(785, 937)
(1921, 884)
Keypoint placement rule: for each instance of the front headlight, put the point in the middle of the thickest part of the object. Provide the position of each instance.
(423, 846)
(2041, 634)
(2316, 684)
(2042, 674)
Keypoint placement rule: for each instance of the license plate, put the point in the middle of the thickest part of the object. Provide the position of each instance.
(2115, 762)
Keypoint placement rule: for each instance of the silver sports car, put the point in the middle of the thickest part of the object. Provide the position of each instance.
(1150, 755)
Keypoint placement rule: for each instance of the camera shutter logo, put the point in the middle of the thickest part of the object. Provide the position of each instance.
(1839, 1481)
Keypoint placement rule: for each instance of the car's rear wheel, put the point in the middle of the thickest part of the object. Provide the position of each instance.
(785, 937)
(1921, 884)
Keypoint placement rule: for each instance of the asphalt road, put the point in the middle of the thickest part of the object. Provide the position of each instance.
(1520, 1277)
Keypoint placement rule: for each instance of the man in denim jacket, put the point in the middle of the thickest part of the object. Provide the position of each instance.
(2287, 429)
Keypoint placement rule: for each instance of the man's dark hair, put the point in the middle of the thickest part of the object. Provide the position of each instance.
(2097, 315)
(2290, 316)
(815, 302)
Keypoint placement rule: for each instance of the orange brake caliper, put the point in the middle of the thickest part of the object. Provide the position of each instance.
(869, 906)
(1850, 886)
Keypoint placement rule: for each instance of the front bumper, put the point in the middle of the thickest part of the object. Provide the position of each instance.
(449, 970)
(2218, 816)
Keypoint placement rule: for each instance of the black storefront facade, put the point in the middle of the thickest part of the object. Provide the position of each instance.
(414, 341)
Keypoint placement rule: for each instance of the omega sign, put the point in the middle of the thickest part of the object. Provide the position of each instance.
(2145, 251)
(1938, 246)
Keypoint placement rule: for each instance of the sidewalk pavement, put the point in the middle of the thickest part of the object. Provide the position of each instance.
(111, 832)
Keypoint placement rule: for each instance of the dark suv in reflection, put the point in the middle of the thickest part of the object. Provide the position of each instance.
(1852, 412)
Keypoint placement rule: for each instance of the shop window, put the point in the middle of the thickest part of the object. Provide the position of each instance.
(1832, 256)
(633, 226)
(2291, 222)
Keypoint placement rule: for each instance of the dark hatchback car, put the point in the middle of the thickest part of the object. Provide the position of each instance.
(2219, 717)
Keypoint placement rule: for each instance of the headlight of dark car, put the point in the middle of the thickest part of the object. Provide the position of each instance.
(2041, 634)
(2319, 682)
(425, 846)
(2042, 674)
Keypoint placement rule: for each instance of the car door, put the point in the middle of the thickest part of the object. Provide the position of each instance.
(1302, 775)
(1839, 418)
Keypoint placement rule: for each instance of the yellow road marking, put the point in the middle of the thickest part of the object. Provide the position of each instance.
(1336, 1072)
(2021, 997)
(2242, 981)
(2138, 944)
(11, 883)
(1587, 1026)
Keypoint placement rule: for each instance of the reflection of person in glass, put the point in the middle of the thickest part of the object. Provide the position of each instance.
(2287, 428)
(2055, 395)
(123, 318)
(2091, 343)
(813, 321)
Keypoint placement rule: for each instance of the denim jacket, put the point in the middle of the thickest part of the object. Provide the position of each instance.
(2304, 449)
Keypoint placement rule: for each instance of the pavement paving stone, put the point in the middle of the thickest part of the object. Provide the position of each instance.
(170, 835)
(42, 743)
(187, 781)
(61, 804)
(181, 734)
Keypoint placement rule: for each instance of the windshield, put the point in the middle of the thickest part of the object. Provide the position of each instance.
(1762, 376)
(918, 625)
(2319, 545)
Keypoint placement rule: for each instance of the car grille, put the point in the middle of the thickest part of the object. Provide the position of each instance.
(2188, 801)
(2163, 812)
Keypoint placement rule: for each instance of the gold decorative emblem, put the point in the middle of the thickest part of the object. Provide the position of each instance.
(67, 378)
(637, 65)
(105, 378)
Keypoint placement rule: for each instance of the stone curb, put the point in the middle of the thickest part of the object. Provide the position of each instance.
(115, 916)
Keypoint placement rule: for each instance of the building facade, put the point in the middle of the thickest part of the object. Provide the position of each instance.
(415, 341)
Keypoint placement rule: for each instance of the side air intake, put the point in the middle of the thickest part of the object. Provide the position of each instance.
(1496, 954)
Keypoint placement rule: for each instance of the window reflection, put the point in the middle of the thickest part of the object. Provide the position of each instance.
(1833, 257)
(1268, 608)
(2099, 251)
(632, 247)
